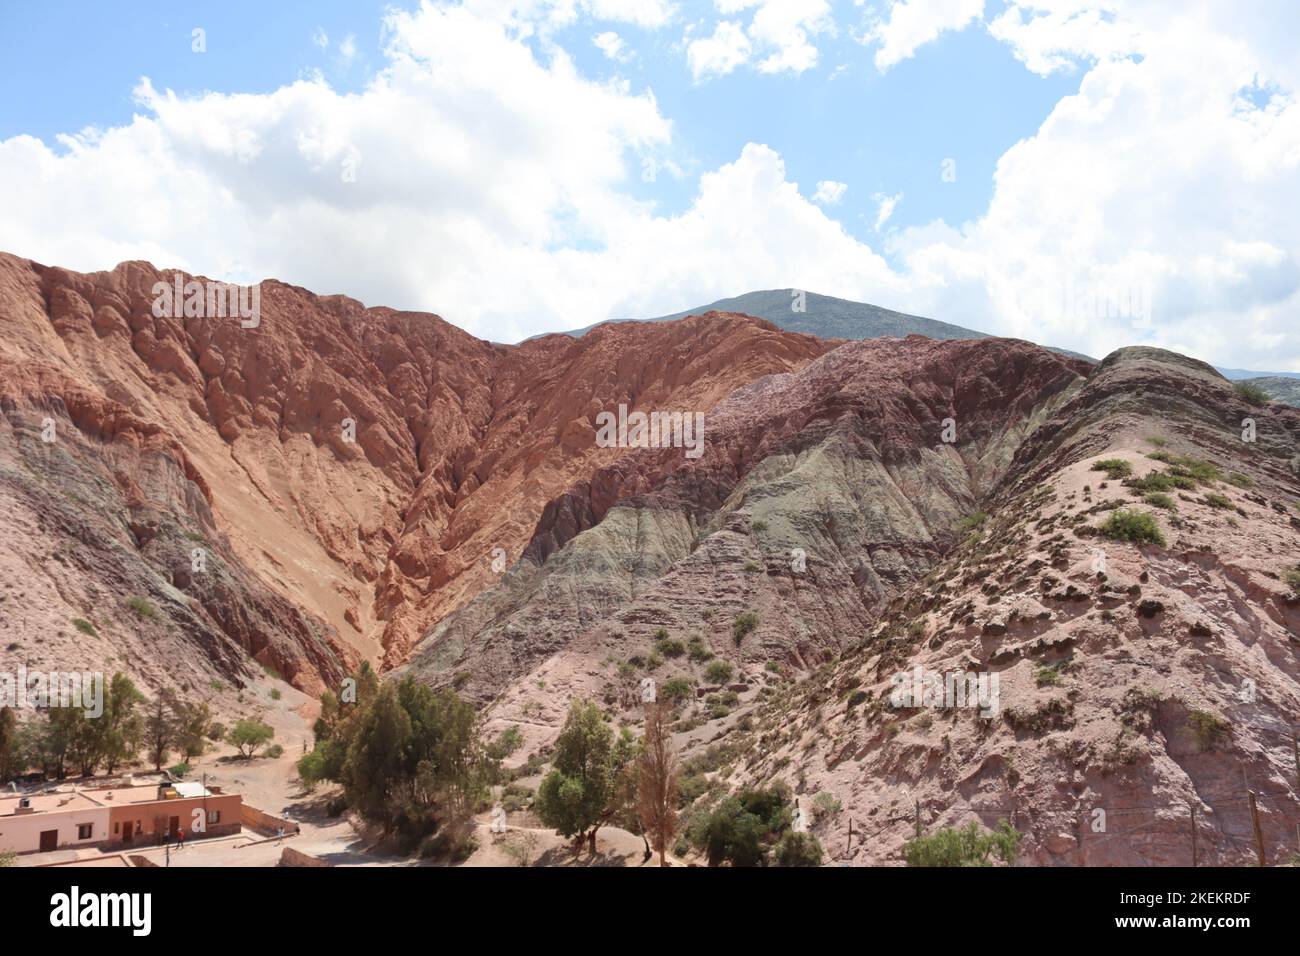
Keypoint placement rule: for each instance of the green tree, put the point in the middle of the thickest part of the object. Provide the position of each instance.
(248, 735)
(9, 745)
(122, 724)
(160, 728)
(572, 798)
(374, 770)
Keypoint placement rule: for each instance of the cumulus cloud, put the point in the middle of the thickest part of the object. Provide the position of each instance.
(717, 55)
(910, 24)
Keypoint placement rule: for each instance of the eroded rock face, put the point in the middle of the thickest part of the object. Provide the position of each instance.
(820, 494)
(192, 425)
(1135, 680)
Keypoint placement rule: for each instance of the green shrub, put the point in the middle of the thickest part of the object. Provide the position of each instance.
(1048, 676)
(744, 622)
(826, 804)
(180, 770)
(1160, 481)
(142, 607)
(675, 688)
(1115, 468)
(84, 626)
(670, 647)
(718, 671)
(1134, 526)
(1209, 728)
(1215, 500)
(970, 845)
(758, 525)
(1159, 499)
(1250, 392)
(697, 649)
(1238, 479)
(1292, 580)
(798, 849)
(972, 521)
(752, 567)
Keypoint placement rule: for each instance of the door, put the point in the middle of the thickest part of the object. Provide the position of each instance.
(126, 832)
(173, 825)
(49, 840)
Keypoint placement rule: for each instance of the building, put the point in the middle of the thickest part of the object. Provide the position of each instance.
(115, 817)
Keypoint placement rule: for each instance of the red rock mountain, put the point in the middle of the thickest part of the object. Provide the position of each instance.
(173, 433)
(1117, 545)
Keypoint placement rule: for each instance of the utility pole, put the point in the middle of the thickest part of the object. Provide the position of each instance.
(918, 819)
(1259, 835)
(1195, 857)
(848, 847)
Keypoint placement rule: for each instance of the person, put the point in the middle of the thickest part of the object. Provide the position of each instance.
(180, 839)
(279, 836)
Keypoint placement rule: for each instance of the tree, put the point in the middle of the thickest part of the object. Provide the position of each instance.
(9, 745)
(373, 772)
(193, 725)
(160, 728)
(122, 725)
(657, 783)
(573, 796)
(248, 735)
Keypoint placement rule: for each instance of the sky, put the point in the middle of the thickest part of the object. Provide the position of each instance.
(1085, 173)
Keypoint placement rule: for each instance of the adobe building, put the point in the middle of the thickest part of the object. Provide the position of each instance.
(115, 817)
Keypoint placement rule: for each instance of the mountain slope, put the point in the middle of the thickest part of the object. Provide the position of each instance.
(172, 430)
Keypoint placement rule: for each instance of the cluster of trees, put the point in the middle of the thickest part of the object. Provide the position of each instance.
(63, 740)
(753, 828)
(599, 776)
(410, 759)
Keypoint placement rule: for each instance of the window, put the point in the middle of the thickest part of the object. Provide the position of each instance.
(85, 831)
(117, 827)
(214, 816)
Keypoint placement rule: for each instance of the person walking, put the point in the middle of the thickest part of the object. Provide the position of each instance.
(180, 839)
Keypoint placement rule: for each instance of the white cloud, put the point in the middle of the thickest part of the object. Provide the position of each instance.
(829, 192)
(885, 207)
(1051, 35)
(777, 39)
(644, 13)
(348, 49)
(719, 54)
(500, 198)
(612, 45)
(913, 23)
(320, 38)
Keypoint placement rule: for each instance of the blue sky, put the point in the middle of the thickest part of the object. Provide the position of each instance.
(504, 154)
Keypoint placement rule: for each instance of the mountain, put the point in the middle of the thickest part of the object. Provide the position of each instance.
(1133, 677)
(1237, 374)
(1278, 387)
(1108, 551)
(825, 317)
(172, 434)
